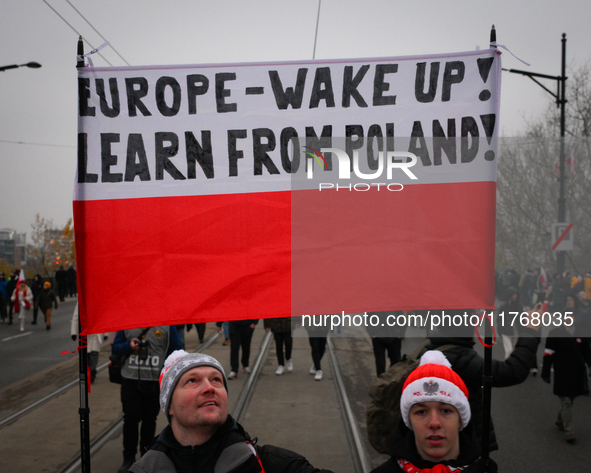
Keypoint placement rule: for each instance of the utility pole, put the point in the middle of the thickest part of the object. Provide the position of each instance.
(560, 98)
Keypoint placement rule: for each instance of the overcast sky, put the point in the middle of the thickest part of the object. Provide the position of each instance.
(38, 114)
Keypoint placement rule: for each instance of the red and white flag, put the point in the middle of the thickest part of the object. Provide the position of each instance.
(570, 162)
(543, 279)
(218, 192)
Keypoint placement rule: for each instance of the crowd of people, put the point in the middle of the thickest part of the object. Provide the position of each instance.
(20, 297)
(535, 285)
(441, 402)
(567, 351)
(438, 432)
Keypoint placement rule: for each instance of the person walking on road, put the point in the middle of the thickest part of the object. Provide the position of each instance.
(568, 355)
(281, 330)
(201, 435)
(10, 287)
(61, 280)
(240, 337)
(94, 342)
(508, 332)
(22, 298)
(385, 339)
(4, 297)
(145, 349)
(36, 287)
(45, 301)
(318, 338)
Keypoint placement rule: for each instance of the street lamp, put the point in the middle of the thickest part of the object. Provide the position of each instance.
(560, 97)
(33, 65)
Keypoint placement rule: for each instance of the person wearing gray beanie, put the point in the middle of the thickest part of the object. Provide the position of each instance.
(201, 435)
(177, 364)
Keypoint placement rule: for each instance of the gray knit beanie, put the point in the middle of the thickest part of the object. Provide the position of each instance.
(178, 363)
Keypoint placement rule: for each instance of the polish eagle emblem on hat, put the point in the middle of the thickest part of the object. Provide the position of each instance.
(431, 388)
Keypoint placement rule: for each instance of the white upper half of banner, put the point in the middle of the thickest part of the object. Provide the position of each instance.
(236, 128)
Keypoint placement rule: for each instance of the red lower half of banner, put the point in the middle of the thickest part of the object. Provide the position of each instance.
(176, 260)
(424, 247)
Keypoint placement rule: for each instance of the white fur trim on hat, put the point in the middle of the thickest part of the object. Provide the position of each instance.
(175, 365)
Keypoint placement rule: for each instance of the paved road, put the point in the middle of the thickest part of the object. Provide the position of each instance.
(523, 415)
(23, 354)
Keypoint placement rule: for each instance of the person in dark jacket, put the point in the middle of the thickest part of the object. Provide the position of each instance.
(72, 282)
(61, 280)
(280, 327)
(4, 297)
(145, 350)
(507, 332)
(36, 287)
(435, 433)
(568, 355)
(470, 365)
(201, 435)
(386, 338)
(45, 300)
(240, 337)
(10, 287)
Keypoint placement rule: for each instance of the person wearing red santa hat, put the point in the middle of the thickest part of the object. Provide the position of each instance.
(435, 434)
(22, 298)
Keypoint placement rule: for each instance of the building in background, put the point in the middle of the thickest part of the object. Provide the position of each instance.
(13, 247)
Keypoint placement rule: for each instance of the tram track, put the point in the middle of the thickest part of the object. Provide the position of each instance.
(115, 429)
(21, 412)
(241, 407)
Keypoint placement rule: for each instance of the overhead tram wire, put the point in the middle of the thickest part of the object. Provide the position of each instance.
(97, 32)
(37, 144)
(316, 33)
(76, 31)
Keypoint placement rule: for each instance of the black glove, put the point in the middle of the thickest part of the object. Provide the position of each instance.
(74, 337)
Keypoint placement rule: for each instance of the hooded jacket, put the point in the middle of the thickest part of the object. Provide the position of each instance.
(168, 456)
(568, 356)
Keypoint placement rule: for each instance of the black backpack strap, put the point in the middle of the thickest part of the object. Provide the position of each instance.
(144, 332)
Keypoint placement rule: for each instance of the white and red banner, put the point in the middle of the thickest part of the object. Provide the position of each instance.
(218, 192)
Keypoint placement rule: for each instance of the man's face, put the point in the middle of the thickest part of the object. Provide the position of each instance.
(199, 400)
(436, 427)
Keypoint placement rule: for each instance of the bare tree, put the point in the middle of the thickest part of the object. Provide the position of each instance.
(528, 188)
(50, 246)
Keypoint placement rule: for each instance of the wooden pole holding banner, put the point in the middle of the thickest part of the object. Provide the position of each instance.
(488, 343)
(84, 410)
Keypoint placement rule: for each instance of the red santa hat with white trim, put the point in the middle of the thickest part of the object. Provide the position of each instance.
(434, 380)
